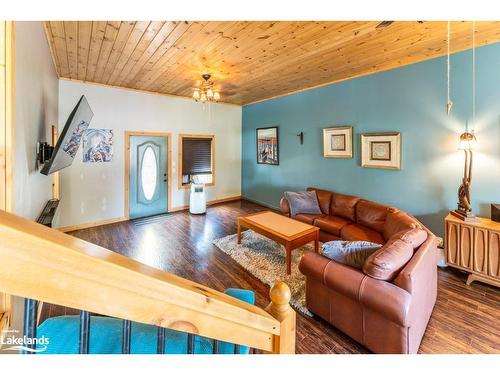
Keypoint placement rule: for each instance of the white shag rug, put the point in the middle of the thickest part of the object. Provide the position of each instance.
(266, 260)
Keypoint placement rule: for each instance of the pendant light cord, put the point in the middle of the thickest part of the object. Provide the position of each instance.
(448, 61)
(473, 74)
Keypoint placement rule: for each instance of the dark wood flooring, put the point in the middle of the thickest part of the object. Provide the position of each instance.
(465, 318)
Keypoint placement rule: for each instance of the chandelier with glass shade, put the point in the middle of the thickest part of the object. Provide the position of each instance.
(206, 92)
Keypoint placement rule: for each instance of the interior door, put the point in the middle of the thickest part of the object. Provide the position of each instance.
(148, 176)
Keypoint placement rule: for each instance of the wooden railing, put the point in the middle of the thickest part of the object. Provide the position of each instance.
(43, 264)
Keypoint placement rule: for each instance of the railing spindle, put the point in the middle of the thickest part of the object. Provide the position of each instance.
(84, 338)
(30, 310)
(216, 347)
(190, 343)
(126, 330)
(161, 340)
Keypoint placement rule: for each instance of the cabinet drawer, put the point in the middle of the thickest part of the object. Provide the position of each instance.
(494, 254)
(466, 249)
(480, 252)
(452, 242)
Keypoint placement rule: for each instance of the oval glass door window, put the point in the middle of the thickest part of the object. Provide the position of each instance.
(149, 174)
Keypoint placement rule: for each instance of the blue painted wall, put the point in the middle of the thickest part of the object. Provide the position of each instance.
(411, 100)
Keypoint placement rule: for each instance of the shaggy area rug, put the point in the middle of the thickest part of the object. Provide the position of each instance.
(265, 259)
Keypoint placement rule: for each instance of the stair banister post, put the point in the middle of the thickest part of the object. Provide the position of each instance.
(281, 310)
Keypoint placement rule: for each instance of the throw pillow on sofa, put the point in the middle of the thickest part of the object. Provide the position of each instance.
(350, 253)
(303, 202)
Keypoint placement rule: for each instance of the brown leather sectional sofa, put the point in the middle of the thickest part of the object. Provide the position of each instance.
(387, 305)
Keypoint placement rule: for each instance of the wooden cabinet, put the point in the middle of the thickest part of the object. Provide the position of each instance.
(474, 247)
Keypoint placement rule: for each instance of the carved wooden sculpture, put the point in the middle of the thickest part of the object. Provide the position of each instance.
(464, 210)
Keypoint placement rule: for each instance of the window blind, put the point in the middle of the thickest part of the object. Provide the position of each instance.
(196, 156)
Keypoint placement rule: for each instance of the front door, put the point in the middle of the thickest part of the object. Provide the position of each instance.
(148, 176)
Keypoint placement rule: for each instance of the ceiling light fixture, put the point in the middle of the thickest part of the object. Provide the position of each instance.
(206, 92)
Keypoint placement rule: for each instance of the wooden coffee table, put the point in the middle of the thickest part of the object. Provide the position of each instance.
(288, 232)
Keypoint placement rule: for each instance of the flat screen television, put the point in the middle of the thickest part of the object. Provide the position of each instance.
(69, 141)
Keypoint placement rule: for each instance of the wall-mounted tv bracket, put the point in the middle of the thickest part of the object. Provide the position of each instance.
(43, 153)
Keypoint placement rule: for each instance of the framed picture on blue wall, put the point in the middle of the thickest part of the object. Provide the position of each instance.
(381, 150)
(337, 142)
(268, 146)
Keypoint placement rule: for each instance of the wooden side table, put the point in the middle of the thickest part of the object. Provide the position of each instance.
(474, 247)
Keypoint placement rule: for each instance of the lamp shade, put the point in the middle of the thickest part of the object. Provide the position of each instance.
(467, 141)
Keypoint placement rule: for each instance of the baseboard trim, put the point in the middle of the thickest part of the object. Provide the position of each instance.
(261, 203)
(71, 228)
(209, 203)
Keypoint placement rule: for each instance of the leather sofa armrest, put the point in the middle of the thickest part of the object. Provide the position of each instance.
(285, 207)
(313, 265)
(387, 299)
(380, 296)
(420, 274)
(339, 277)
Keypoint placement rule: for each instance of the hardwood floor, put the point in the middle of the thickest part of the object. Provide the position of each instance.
(465, 318)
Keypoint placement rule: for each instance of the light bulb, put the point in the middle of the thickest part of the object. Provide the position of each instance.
(196, 94)
(210, 94)
(203, 97)
(467, 141)
(216, 96)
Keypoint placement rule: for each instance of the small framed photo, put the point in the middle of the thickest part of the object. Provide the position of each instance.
(337, 142)
(268, 146)
(381, 150)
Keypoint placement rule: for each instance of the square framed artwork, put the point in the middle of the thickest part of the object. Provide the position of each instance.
(337, 142)
(98, 146)
(381, 150)
(268, 146)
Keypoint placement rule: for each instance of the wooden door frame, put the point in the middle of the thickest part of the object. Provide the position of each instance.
(166, 135)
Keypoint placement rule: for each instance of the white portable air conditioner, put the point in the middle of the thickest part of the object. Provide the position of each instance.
(197, 199)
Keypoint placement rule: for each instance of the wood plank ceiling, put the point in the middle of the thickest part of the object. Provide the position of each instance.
(249, 61)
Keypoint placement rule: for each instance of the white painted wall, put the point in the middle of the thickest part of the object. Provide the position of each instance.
(35, 111)
(95, 191)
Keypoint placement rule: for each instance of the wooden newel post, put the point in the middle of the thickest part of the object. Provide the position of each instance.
(281, 310)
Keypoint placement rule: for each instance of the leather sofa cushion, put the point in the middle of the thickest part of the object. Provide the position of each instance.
(388, 261)
(325, 237)
(344, 206)
(356, 232)
(324, 199)
(308, 218)
(415, 236)
(397, 221)
(372, 215)
(331, 224)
